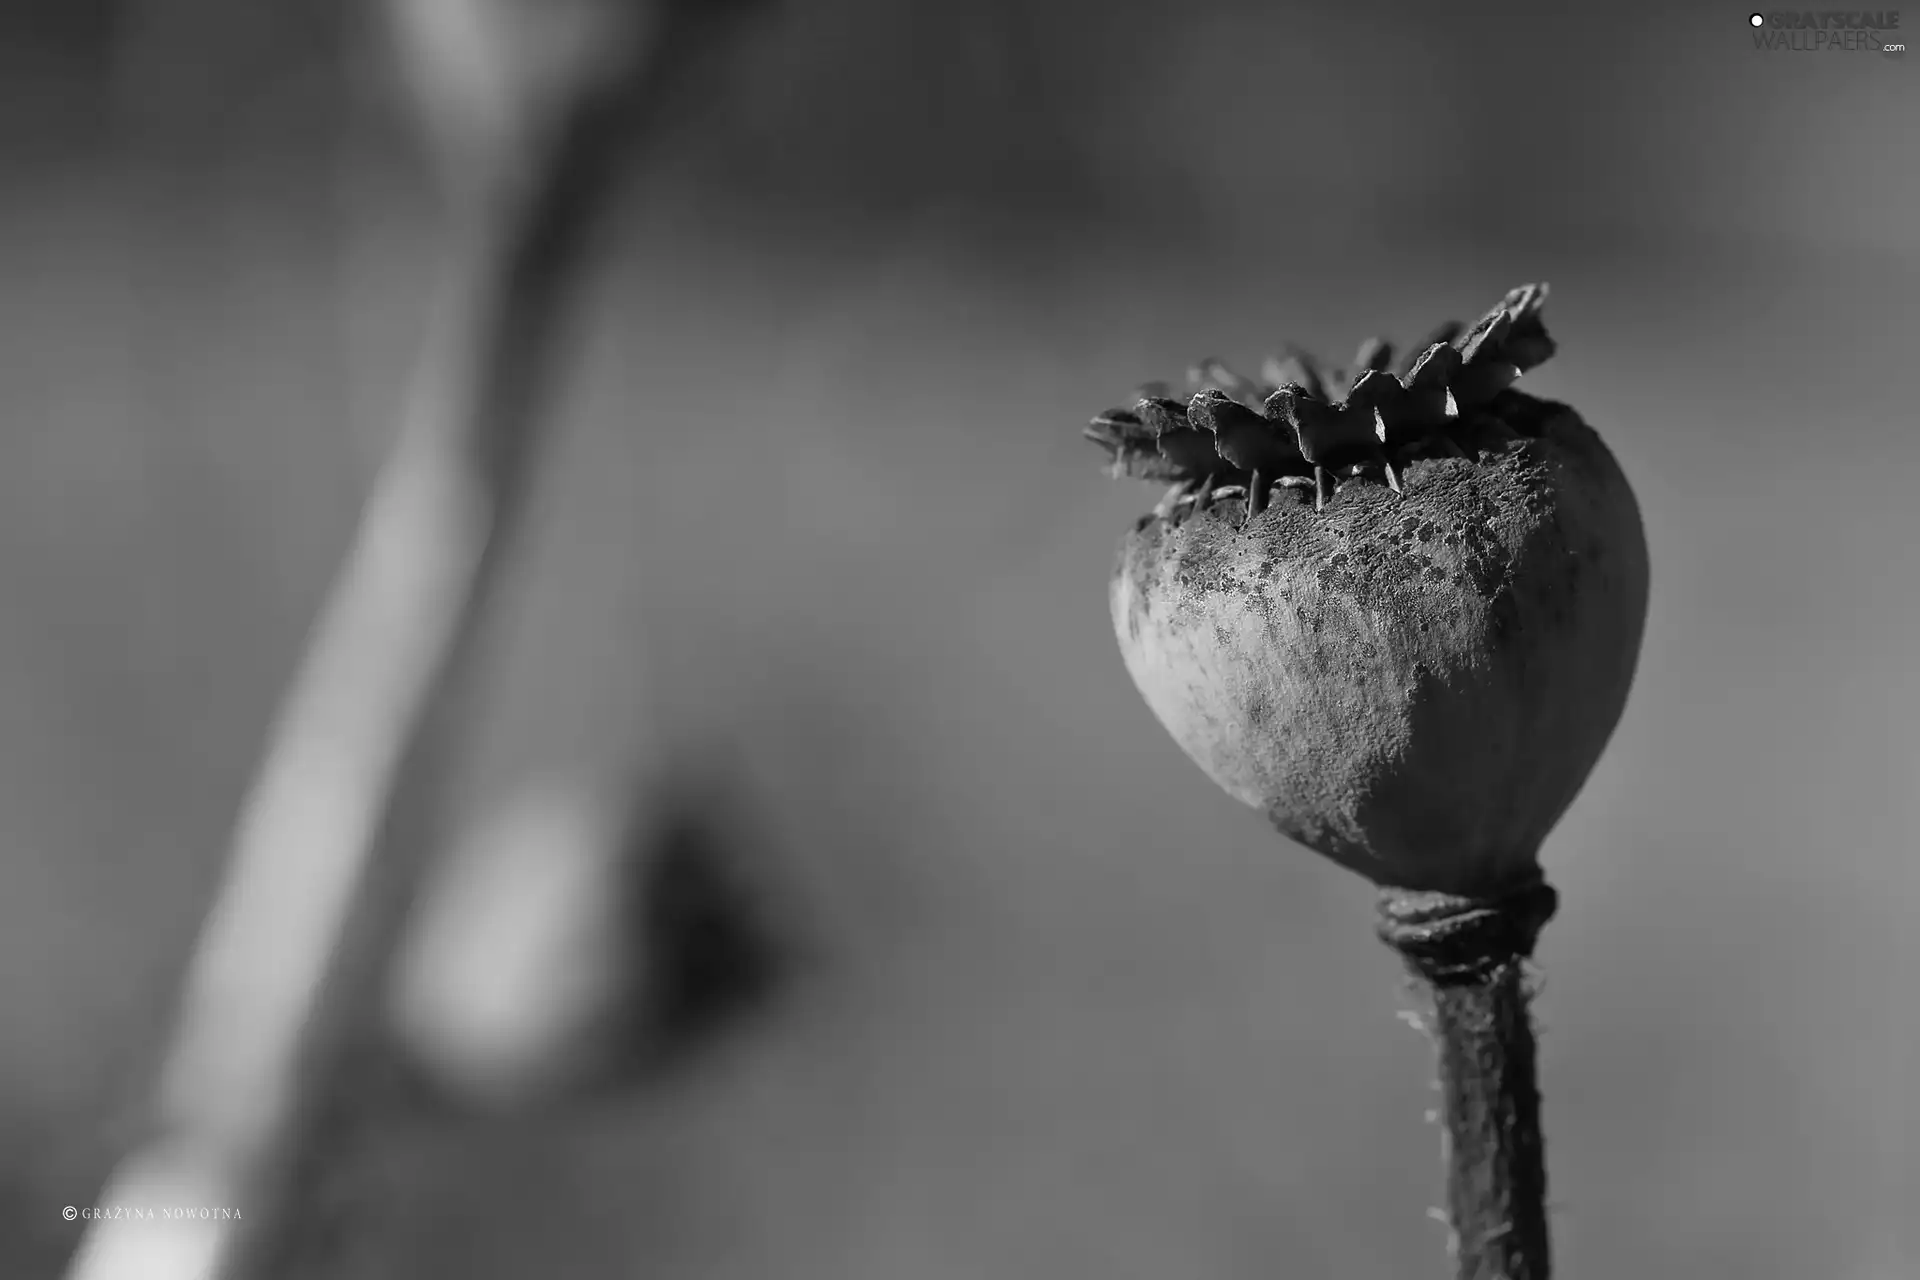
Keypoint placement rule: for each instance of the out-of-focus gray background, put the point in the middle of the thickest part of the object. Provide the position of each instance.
(820, 500)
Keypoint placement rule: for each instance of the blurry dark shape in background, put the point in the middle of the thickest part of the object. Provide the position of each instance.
(561, 955)
(707, 931)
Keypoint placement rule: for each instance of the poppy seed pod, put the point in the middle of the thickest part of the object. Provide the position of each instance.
(1401, 621)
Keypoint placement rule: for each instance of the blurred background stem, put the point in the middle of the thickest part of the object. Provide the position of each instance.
(257, 1090)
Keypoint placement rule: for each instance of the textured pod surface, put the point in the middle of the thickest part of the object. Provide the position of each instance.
(1414, 684)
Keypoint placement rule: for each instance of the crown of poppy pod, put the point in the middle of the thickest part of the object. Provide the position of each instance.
(1236, 431)
(1412, 664)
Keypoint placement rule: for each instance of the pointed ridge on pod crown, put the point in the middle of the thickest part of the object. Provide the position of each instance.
(1288, 426)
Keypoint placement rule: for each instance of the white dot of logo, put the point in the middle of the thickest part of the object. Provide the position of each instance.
(1755, 20)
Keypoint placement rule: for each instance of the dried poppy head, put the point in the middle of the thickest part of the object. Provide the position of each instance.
(1402, 621)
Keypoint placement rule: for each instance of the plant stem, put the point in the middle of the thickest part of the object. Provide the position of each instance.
(256, 1087)
(1471, 954)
